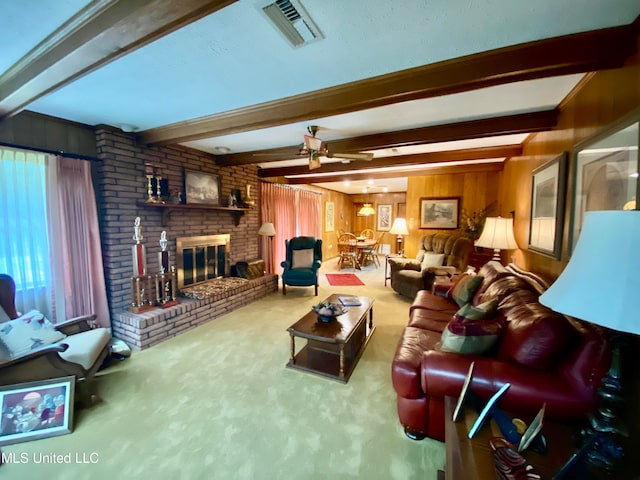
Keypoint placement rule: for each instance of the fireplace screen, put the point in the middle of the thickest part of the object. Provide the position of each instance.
(202, 258)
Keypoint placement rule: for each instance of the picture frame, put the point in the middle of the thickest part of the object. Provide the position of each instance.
(548, 191)
(439, 213)
(605, 174)
(384, 217)
(202, 188)
(36, 410)
(329, 213)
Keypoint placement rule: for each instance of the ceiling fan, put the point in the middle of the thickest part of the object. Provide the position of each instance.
(315, 148)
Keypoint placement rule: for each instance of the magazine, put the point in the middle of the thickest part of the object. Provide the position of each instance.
(349, 301)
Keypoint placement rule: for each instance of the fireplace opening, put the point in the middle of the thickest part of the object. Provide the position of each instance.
(202, 258)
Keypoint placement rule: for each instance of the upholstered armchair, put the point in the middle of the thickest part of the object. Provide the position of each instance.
(440, 256)
(304, 257)
(31, 348)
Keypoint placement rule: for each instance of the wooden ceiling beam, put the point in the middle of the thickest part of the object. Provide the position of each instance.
(481, 153)
(486, 127)
(576, 53)
(98, 34)
(482, 167)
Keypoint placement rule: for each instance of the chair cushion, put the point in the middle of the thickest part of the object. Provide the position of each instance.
(302, 258)
(84, 347)
(28, 332)
(432, 260)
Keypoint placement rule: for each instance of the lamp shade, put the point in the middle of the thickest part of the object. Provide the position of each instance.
(399, 227)
(602, 280)
(366, 210)
(497, 234)
(267, 229)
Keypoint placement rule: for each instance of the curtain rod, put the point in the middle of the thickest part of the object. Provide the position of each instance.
(293, 187)
(75, 156)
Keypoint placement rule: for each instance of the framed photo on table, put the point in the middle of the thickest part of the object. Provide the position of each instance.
(548, 185)
(202, 188)
(605, 175)
(440, 213)
(36, 410)
(384, 218)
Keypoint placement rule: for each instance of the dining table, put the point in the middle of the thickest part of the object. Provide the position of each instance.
(361, 244)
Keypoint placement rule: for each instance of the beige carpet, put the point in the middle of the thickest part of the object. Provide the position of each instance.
(218, 403)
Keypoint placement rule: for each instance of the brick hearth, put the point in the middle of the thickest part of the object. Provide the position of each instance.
(143, 330)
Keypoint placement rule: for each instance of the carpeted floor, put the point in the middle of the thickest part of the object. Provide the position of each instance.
(218, 403)
(343, 280)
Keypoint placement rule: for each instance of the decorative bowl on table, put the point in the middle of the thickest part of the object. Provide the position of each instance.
(327, 311)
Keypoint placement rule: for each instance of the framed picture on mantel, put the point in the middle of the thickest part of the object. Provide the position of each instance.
(203, 188)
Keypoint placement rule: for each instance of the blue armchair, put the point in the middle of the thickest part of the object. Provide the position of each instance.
(304, 257)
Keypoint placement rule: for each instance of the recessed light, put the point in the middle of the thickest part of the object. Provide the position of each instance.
(220, 150)
(125, 127)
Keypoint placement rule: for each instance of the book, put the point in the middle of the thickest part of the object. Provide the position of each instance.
(350, 301)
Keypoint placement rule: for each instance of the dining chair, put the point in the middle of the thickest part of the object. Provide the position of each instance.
(370, 254)
(348, 250)
(368, 233)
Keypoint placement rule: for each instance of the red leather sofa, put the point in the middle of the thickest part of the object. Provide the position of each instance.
(546, 357)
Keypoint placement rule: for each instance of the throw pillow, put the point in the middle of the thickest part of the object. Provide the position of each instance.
(480, 312)
(302, 258)
(28, 332)
(463, 291)
(432, 260)
(472, 336)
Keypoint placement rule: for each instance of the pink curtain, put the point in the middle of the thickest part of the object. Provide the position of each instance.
(309, 214)
(79, 242)
(278, 205)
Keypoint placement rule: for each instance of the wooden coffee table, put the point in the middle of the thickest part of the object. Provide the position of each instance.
(333, 349)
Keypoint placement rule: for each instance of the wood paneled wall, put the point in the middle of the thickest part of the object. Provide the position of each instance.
(476, 191)
(601, 100)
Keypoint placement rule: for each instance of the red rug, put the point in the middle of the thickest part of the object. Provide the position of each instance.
(343, 279)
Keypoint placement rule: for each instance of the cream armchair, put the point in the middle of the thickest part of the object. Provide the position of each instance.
(68, 348)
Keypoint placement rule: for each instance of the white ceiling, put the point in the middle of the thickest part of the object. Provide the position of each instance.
(235, 58)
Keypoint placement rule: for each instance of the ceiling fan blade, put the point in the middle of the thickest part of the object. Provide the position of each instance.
(352, 156)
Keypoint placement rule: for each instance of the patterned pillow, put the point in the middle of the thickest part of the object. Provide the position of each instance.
(302, 258)
(463, 291)
(471, 336)
(28, 332)
(480, 312)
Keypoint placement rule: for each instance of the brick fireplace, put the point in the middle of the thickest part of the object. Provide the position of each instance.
(120, 183)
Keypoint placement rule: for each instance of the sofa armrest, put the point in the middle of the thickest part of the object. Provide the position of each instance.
(441, 271)
(443, 374)
(397, 264)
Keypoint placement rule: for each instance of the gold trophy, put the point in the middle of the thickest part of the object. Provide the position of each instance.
(166, 281)
(141, 284)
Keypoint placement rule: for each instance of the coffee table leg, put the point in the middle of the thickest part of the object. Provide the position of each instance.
(371, 319)
(341, 360)
(292, 359)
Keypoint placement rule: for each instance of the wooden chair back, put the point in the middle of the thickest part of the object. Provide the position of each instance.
(368, 233)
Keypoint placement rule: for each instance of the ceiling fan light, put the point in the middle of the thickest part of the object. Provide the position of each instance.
(303, 150)
(312, 143)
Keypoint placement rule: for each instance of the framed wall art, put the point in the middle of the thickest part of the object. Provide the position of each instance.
(202, 188)
(605, 175)
(548, 184)
(384, 218)
(440, 213)
(329, 217)
(36, 410)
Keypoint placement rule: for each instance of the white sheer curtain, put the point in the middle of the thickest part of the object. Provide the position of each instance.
(24, 229)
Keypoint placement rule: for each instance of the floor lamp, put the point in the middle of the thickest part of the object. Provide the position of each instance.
(600, 285)
(399, 228)
(498, 235)
(268, 230)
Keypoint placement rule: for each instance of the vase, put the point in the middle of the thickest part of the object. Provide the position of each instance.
(326, 318)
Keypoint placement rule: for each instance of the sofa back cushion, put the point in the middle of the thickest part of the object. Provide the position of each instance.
(503, 287)
(535, 336)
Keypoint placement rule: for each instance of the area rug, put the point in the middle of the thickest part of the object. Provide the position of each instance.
(343, 279)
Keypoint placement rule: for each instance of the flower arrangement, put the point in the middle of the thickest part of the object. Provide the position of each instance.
(326, 309)
(472, 224)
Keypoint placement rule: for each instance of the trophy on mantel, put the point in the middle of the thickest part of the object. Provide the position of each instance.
(166, 280)
(141, 285)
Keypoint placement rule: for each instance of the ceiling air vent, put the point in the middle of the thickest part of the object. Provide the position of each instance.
(293, 21)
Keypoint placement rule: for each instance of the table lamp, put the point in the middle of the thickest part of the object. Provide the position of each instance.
(497, 234)
(600, 285)
(399, 228)
(268, 230)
